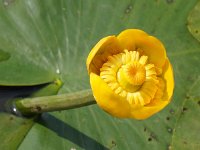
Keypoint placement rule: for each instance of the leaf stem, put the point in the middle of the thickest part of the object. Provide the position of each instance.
(37, 105)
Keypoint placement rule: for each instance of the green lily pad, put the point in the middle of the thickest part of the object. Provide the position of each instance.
(194, 21)
(51, 39)
(13, 129)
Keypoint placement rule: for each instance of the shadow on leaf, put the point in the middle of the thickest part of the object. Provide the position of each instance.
(68, 132)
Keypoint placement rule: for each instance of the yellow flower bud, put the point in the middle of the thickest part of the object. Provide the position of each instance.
(130, 75)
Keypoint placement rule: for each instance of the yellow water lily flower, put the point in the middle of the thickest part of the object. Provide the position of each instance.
(130, 74)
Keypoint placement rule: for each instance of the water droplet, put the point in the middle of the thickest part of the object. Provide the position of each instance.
(11, 107)
(14, 109)
(58, 71)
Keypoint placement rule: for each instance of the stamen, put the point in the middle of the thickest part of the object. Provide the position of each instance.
(135, 73)
(122, 79)
(131, 98)
(143, 60)
(129, 76)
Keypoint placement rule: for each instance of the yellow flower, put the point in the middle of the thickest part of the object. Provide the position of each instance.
(130, 75)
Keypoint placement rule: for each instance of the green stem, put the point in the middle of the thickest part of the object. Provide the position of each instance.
(38, 105)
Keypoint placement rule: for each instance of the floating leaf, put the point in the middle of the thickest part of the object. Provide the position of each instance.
(194, 21)
(51, 39)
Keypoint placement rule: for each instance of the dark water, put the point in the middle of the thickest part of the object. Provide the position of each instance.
(8, 94)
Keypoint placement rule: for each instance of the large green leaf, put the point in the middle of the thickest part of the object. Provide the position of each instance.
(44, 40)
(194, 21)
(184, 137)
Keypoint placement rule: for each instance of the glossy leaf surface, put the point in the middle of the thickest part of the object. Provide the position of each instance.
(44, 40)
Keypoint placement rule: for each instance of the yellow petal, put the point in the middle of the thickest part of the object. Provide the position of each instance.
(145, 112)
(158, 104)
(168, 77)
(134, 39)
(107, 99)
(107, 46)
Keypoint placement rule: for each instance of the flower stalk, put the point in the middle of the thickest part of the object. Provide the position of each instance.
(37, 105)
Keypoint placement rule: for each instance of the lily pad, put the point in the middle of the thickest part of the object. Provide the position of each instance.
(51, 39)
(194, 21)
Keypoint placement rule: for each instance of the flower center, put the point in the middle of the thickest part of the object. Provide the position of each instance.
(131, 76)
